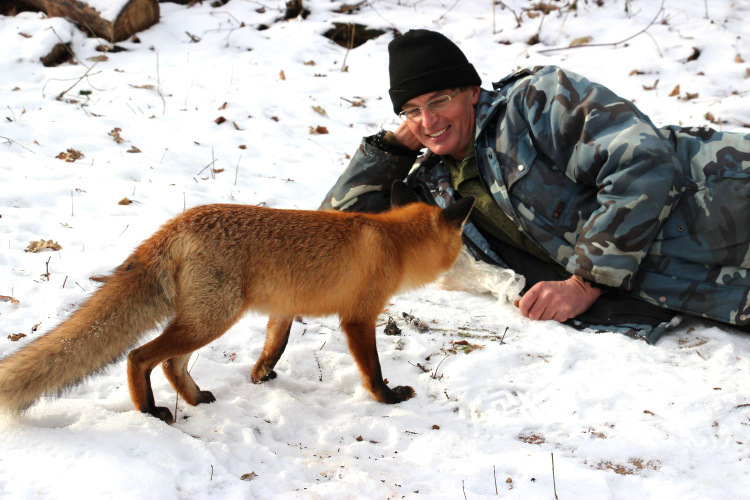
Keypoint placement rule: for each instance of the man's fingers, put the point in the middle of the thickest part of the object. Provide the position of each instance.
(527, 302)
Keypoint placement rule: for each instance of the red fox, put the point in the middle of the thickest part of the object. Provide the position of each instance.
(203, 269)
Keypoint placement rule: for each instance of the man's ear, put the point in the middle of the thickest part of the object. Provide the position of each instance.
(457, 212)
(401, 194)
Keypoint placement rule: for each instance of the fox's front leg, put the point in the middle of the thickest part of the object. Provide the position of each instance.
(360, 335)
(277, 336)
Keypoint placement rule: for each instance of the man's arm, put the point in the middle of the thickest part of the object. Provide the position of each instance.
(605, 142)
(365, 184)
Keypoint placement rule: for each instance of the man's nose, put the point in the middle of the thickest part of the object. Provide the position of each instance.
(428, 117)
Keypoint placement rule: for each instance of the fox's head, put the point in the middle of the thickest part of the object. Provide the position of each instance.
(435, 233)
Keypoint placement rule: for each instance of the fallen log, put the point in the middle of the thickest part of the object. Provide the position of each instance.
(113, 20)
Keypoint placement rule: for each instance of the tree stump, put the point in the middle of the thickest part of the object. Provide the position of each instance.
(134, 16)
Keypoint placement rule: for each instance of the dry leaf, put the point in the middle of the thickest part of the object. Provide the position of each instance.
(115, 134)
(739, 59)
(16, 336)
(243, 146)
(133, 149)
(695, 55)
(125, 201)
(581, 41)
(6, 298)
(747, 74)
(309, 63)
(217, 170)
(710, 117)
(436, 427)
(25, 35)
(223, 106)
(15, 89)
(100, 58)
(236, 127)
(532, 439)
(636, 72)
(318, 130)
(248, 477)
(675, 91)
(282, 75)
(689, 96)
(38, 246)
(275, 118)
(220, 120)
(646, 87)
(70, 155)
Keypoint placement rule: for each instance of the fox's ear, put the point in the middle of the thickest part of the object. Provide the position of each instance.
(401, 194)
(458, 212)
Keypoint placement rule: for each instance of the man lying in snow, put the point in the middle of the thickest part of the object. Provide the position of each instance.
(615, 224)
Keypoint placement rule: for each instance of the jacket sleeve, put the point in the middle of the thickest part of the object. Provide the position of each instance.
(365, 184)
(604, 143)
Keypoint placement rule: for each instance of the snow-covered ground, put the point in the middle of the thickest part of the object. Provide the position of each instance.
(622, 418)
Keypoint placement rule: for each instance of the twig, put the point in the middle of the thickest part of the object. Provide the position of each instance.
(79, 286)
(611, 44)
(348, 48)
(494, 474)
(16, 142)
(11, 112)
(72, 54)
(65, 281)
(554, 484)
(419, 365)
(502, 340)
(61, 94)
(320, 370)
(65, 80)
(212, 473)
(518, 18)
(434, 375)
(123, 231)
(441, 18)
(47, 264)
(237, 169)
(158, 86)
(209, 165)
(463, 488)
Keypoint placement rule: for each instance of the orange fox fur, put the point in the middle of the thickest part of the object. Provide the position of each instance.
(203, 269)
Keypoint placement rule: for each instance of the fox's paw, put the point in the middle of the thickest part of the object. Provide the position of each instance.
(206, 397)
(257, 378)
(162, 413)
(404, 392)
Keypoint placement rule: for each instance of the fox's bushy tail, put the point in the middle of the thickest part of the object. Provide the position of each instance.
(130, 303)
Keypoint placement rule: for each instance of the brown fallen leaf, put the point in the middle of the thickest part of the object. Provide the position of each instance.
(581, 41)
(738, 59)
(320, 111)
(125, 201)
(318, 130)
(223, 106)
(248, 477)
(133, 149)
(38, 246)
(15, 337)
(7, 298)
(675, 91)
(652, 87)
(636, 72)
(282, 76)
(25, 35)
(309, 63)
(695, 55)
(220, 120)
(115, 134)
(70, 155)
(688, 96)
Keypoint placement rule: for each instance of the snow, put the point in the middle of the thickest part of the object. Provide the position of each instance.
(622, 418)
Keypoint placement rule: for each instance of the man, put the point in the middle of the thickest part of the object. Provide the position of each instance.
(615, 224)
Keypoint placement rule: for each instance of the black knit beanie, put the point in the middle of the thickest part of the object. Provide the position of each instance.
(423, 61)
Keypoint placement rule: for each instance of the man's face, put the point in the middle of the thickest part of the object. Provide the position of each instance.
(449, 130)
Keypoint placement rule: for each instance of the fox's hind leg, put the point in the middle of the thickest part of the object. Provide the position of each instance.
(180, 338)
(277, 336)
(360, 335)
(177, 373)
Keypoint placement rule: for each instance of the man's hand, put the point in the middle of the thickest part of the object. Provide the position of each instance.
(558, 300)
(405, 137)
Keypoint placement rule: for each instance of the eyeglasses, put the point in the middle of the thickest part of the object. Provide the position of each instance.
(435, 105)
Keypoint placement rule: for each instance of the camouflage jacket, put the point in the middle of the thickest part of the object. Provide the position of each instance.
(663, 214)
